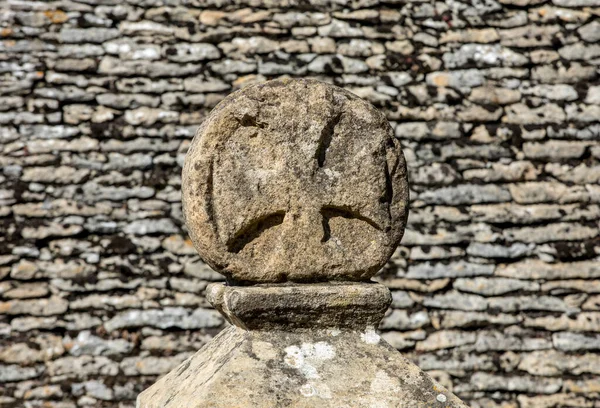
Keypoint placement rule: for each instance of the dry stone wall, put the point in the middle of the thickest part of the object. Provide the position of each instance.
(496, 286)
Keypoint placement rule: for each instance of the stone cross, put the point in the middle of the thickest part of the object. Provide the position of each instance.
(297, 192)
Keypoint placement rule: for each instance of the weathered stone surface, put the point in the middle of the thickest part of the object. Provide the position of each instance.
(165, 318)
(466, 193)
(402, 320)
(485, 381)
(299, 306)
(553, 363)
(87, 344)
(81, 367)
(13, 372)
(253, 221)
(39, 307)
(493, 286)
(575, 341)
(327, 372)
(446, 339)
(510, 340)
(456, 300)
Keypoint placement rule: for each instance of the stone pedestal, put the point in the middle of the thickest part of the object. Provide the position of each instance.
(298, 345)
(296, 191)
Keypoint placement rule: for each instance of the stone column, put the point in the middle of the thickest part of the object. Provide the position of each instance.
(296, 191)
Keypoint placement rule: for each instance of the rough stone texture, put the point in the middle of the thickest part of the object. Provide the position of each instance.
(64, 236)
(295, 180)
(279, 351)
(291, 307)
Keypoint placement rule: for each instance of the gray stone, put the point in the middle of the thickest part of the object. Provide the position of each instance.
(593, 94)
(489, 340)
(165, 318)
(429, 270)
(89, 35)
(452, 319)
(567, 341)
(529, 303)
(550, 233)
(520, 113)
(184, 52)
(529, 36)
(339, 29)
(483, 55)
(456, 300)
(434, 174)
(570, 74)
(232, 66)
(582, 113)
(126, 101)
(590, 32)
(466, 193)
(515, 171)
(486, 381)
(81, 367)
(94, 389)
(87, 344)
(402, 320)
(145, 227)
(486, 250)
(527, 193)
(559, 92)
(535, 269)
(446, 339)
(60, 175)
(458, 362)
(553, 363)
(580, 51)
(401, 299)
(114, 66)
(465, 79)
(337, 63)
(96, 192)
(493, 286)
(48, 132)
(582, 322)
(13, 372)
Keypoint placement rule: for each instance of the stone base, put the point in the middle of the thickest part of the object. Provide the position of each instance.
(327, 368)
(298, 346)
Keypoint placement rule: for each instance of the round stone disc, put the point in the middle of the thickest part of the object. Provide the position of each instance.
(295, 180)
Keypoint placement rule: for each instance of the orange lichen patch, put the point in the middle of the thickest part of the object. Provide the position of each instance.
(441, 80)
(211, 17)
(9, 43)
(5, 307)
(56, 16)
(542, 12)
(39, 74)
(5, 32)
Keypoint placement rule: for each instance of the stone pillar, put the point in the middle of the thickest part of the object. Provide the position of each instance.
(296, 191)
